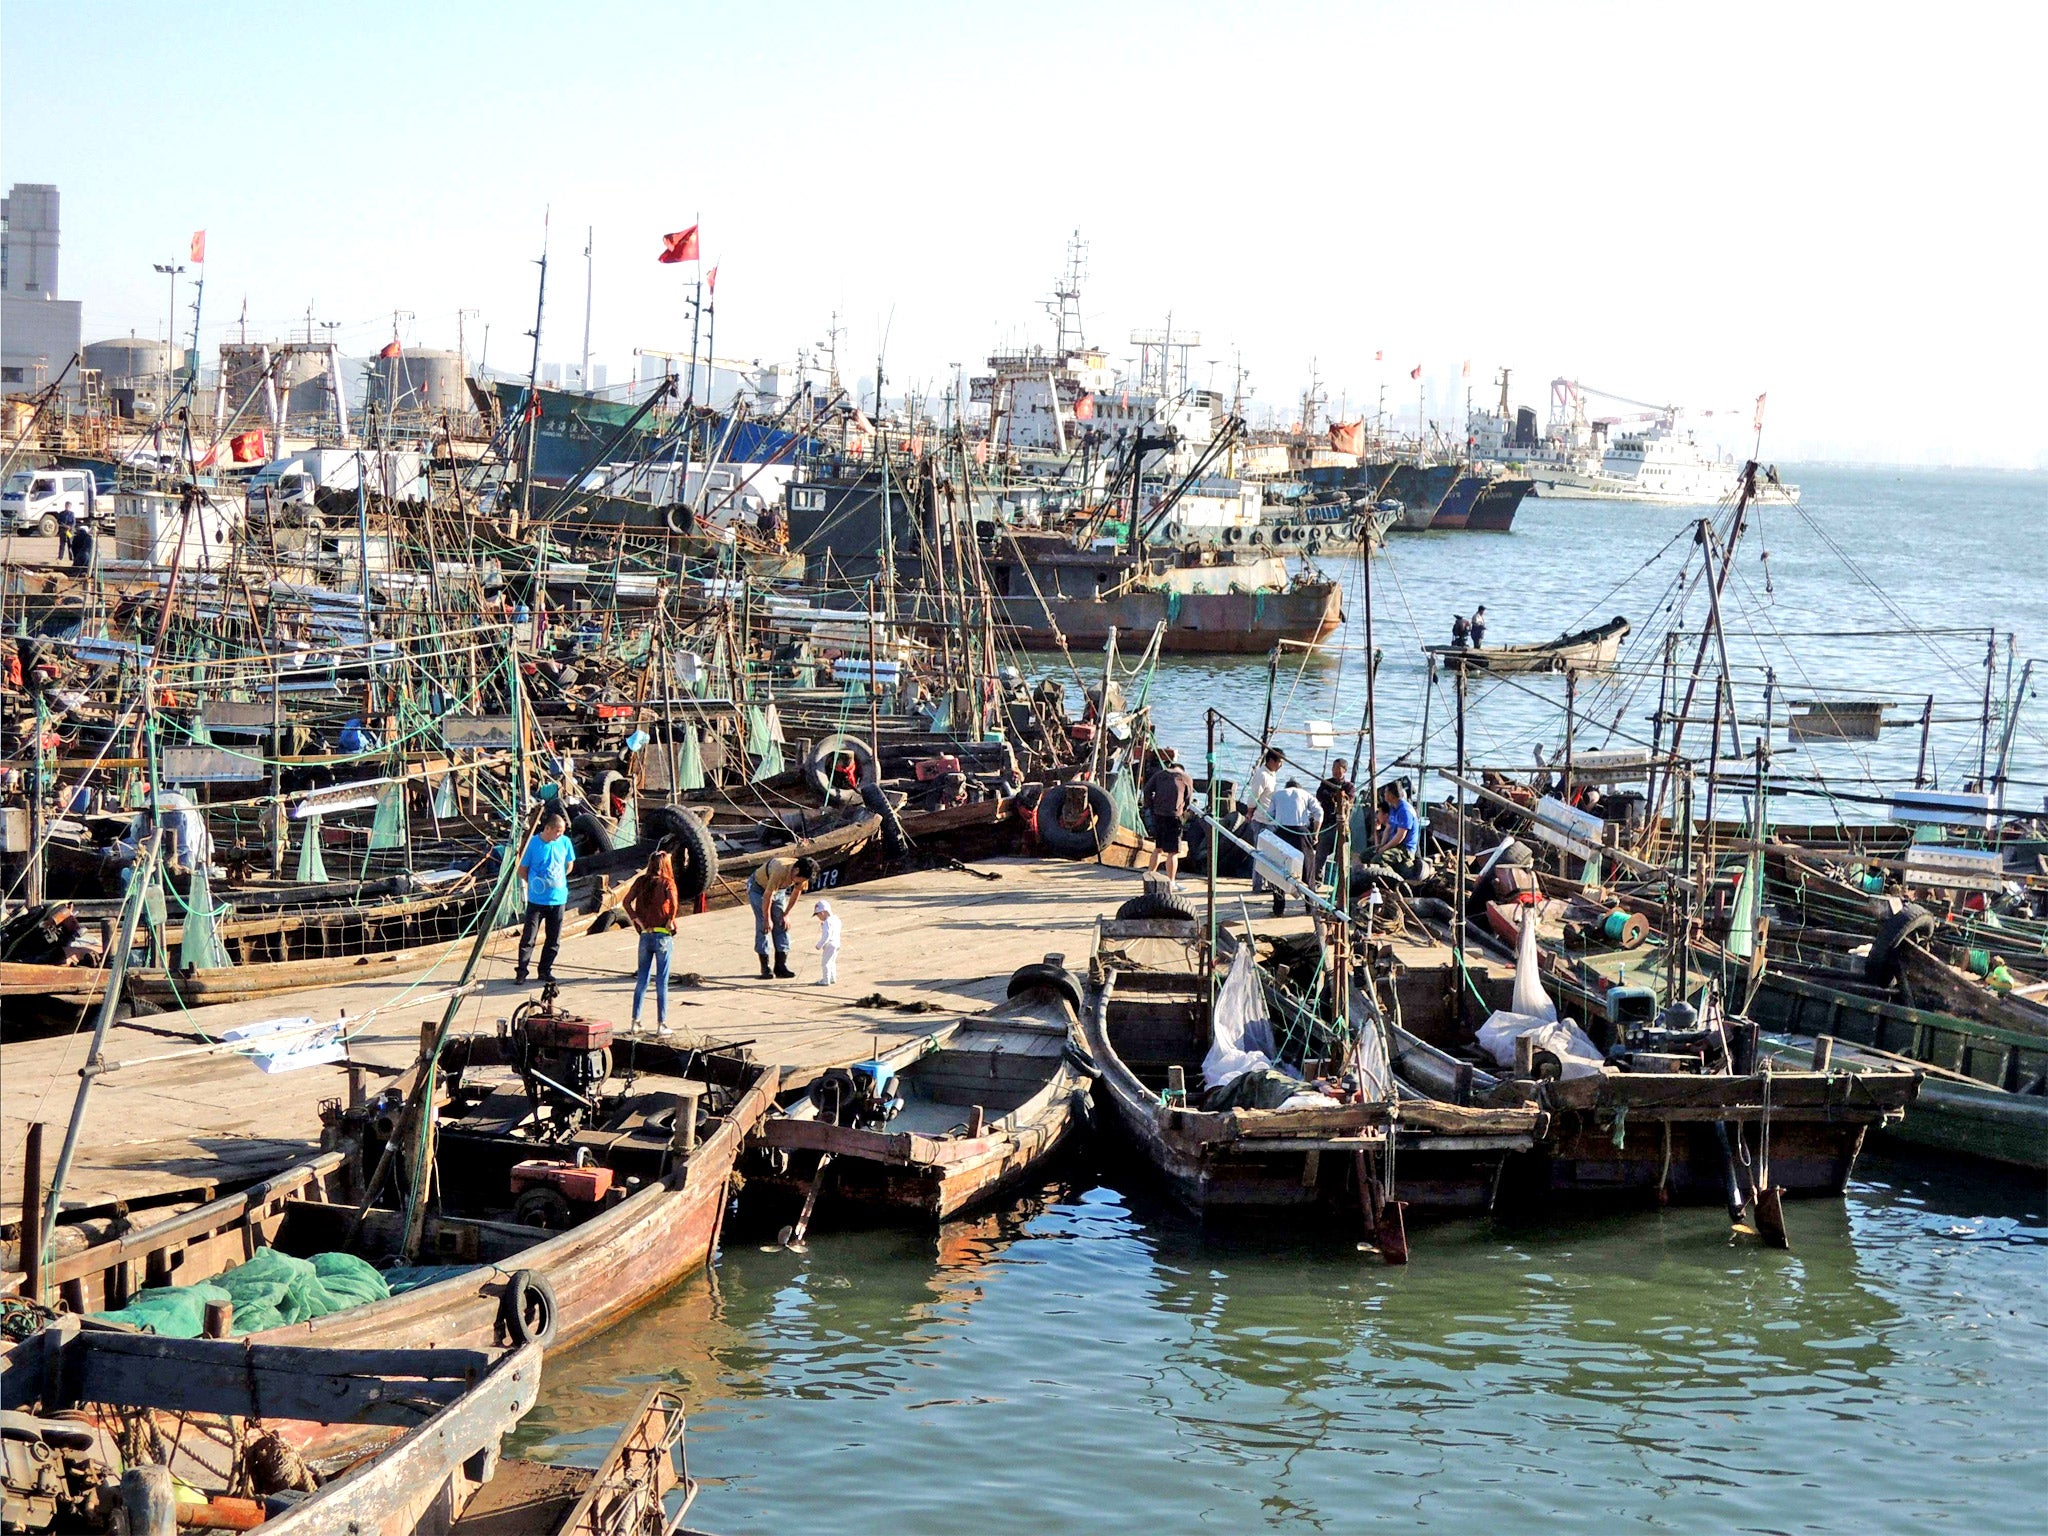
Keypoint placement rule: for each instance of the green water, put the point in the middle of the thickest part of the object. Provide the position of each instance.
(1091, 1361)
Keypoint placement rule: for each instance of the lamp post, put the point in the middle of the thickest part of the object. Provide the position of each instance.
(170, 270)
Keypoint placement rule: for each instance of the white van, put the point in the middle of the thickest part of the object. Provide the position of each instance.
(32, 499)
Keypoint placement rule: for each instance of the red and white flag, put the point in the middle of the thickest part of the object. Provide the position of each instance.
(198, 246)
(680, 246)
(1758, 425)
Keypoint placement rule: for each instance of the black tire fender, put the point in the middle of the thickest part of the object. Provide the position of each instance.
(693, 852)
(1038, 976)
(588, 834)
(1909, 924)
(527, 1311)
(1161, 904)
(1077, 844)
(818, 765)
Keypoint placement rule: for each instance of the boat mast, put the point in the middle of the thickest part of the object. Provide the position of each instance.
(533, 389)
(589, 283)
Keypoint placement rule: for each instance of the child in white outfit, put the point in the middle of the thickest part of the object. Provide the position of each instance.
(828, 943)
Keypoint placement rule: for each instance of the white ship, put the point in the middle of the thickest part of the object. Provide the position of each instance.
(1650, 457)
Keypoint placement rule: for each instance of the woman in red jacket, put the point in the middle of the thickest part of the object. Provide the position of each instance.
(651, 902)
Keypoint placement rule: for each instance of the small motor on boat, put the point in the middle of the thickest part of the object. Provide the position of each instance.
(862, 1096)
(562, 1056)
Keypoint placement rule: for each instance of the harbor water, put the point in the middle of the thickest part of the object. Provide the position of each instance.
(1091, 1360)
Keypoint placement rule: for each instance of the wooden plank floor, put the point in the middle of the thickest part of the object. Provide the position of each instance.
(938, 937)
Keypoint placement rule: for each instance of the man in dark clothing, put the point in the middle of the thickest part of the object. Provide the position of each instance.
(1334, 795)
(1168, 794)
(1461, 631)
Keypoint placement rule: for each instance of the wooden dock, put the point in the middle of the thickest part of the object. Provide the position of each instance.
(170, 1131)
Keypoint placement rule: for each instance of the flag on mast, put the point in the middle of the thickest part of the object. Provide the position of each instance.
(678, 247)
(198, 247)
(1415, 372)
(1759, 422)
(711, 280)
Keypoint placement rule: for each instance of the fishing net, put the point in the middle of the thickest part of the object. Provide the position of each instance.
(689, 760)
(312, 867)
(270, 1291)
(1123, 790)
(762, 745)
(444, 797)
(388, 831)
(201, 945)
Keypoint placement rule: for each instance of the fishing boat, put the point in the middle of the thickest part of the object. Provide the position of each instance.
(1983, 1090)
(379, 1442)
(1150, 1032)
(940, 1124)
(1584, 651)
(104, 1427)
(567, 1197)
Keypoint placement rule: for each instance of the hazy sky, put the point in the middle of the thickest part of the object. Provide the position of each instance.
(1840, 204)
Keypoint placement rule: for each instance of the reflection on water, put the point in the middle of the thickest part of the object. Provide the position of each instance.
(1093, 1361)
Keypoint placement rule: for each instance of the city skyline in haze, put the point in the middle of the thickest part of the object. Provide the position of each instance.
(1823, 204)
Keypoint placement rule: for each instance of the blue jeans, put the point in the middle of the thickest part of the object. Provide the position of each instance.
(655, 950)
(775, 920)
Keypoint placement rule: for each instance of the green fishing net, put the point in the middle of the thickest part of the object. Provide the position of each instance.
(312, 867)
(200, 945)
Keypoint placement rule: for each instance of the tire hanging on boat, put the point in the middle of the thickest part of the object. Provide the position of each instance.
(820, 765)
(527, 1311)
(1083, 841)
(1910, 924)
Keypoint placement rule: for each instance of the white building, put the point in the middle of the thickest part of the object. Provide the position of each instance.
(39, 332)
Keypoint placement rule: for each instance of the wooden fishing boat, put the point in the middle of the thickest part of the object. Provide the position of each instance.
(942, 1123)
(1584, 651)
(1927, 977)
(293, 1425)
(566, 1198)
(290, 1422)
(1148, 1032)
(1983, 1090)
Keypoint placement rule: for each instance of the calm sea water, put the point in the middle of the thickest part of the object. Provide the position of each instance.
(1089, 1360)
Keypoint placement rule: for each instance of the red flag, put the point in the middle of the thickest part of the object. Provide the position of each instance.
(1466, 371)
(1759, 413)
(533, 406)
(390, 348)
(1084, 407)
(680, 246)
(1347, 436)
(1415, 372)
(1379, 357)
(198, 245)
(249, 447)
(711, 279)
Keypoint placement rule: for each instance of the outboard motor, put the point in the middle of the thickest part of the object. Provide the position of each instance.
(862, 1096)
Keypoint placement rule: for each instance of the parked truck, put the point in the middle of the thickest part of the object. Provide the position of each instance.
(34, 500)
(324, 478)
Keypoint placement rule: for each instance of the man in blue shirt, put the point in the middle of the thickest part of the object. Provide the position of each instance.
(546, 865)
(1400, 841)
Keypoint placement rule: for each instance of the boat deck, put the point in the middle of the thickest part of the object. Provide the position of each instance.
(172, 1131)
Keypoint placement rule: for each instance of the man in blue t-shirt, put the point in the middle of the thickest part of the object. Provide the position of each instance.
(1400, 840)
(546, 865)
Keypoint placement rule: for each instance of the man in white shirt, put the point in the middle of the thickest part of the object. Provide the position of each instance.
(1257, 803)
(1296, 817)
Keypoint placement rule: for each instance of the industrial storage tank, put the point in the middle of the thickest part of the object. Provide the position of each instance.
(129, 362)
(418, 381)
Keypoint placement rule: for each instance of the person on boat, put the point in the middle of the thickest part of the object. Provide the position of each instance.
(1334, 795)
(1258, 804)
(545, 864)
(1168, 794)
(1998, 978)
(771, 891)
(651, 903)
(81, 550)
(1461, 631)
(829, 931)
(1296, 818)
(1478, 626)
(1400, 842)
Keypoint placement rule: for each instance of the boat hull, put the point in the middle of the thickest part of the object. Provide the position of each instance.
(1197, 623)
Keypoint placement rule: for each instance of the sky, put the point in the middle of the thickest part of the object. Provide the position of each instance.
(1837, 205)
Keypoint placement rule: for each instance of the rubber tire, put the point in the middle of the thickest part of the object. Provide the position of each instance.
(543, 1206)
(895, 843)
(588, 834)
(1517, 855)
(1029, 978)
(1173, 533)
(1255, 537)
(1076, 845)
(1911, 922)
(526, 1293)
(1157, 905)
(1233, 535)
(693, 853)
(817, 766)
(47, 528)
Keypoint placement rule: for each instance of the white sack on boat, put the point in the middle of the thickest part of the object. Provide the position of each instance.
(1562, 1038)
(1530, 999)
(1240, 1032)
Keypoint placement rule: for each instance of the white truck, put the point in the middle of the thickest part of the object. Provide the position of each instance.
(33, 500)
(301, 479)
